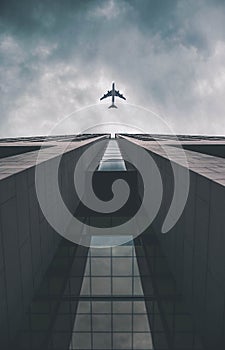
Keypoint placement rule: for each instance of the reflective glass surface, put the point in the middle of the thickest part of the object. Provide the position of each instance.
(123, 297)
(114, 318)
(112, 159)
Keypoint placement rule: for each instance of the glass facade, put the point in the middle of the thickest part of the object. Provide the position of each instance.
(111, 311)
(112, 159)
(122, 297)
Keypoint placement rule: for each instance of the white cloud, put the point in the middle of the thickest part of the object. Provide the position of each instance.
(108, 10)
(180, 75)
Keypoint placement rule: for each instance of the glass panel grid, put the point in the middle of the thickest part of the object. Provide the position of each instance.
(67, 312)
(113, 275)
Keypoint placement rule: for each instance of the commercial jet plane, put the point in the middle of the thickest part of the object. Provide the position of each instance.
(113, 93)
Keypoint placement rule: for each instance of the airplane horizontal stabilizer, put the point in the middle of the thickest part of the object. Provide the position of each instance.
(113, 106)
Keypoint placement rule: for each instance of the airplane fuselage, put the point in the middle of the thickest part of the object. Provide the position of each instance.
(113, 93)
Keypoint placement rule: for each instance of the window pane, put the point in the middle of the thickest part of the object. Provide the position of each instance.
(141, 323)
(122, 251)
(101, 285)
(81, 341)
(101, 323)
(122, 266)
(139, 307)
(122, 340)
(100, 266)
(84, 307)
(100, 252)
(142, 341)
(122, 285)
(101, 307)
(82, 323)
(102, 341)
(124, 307)
(122, 323)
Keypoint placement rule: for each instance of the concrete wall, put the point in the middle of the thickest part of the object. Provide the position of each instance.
(27, 245)
(27, 241)
(195, 250)
(8, 151)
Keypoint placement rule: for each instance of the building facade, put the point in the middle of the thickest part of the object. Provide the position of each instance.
(130, 291)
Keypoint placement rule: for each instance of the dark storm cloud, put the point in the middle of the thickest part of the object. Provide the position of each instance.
(42, 15)
(57, 56)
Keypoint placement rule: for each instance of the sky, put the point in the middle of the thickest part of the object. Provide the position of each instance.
(59, 57)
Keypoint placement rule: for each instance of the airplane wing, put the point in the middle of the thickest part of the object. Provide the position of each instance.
(117, 93)
(109, 93)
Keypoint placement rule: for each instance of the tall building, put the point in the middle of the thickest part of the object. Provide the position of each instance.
(161, 287)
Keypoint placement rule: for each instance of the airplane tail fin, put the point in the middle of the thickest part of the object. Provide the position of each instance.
(113, 106)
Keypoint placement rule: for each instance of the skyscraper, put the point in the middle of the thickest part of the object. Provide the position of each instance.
(112, 288)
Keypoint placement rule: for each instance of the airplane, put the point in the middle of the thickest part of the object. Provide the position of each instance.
(113, 93)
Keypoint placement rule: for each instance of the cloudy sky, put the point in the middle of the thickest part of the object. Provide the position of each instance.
(58, 57)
